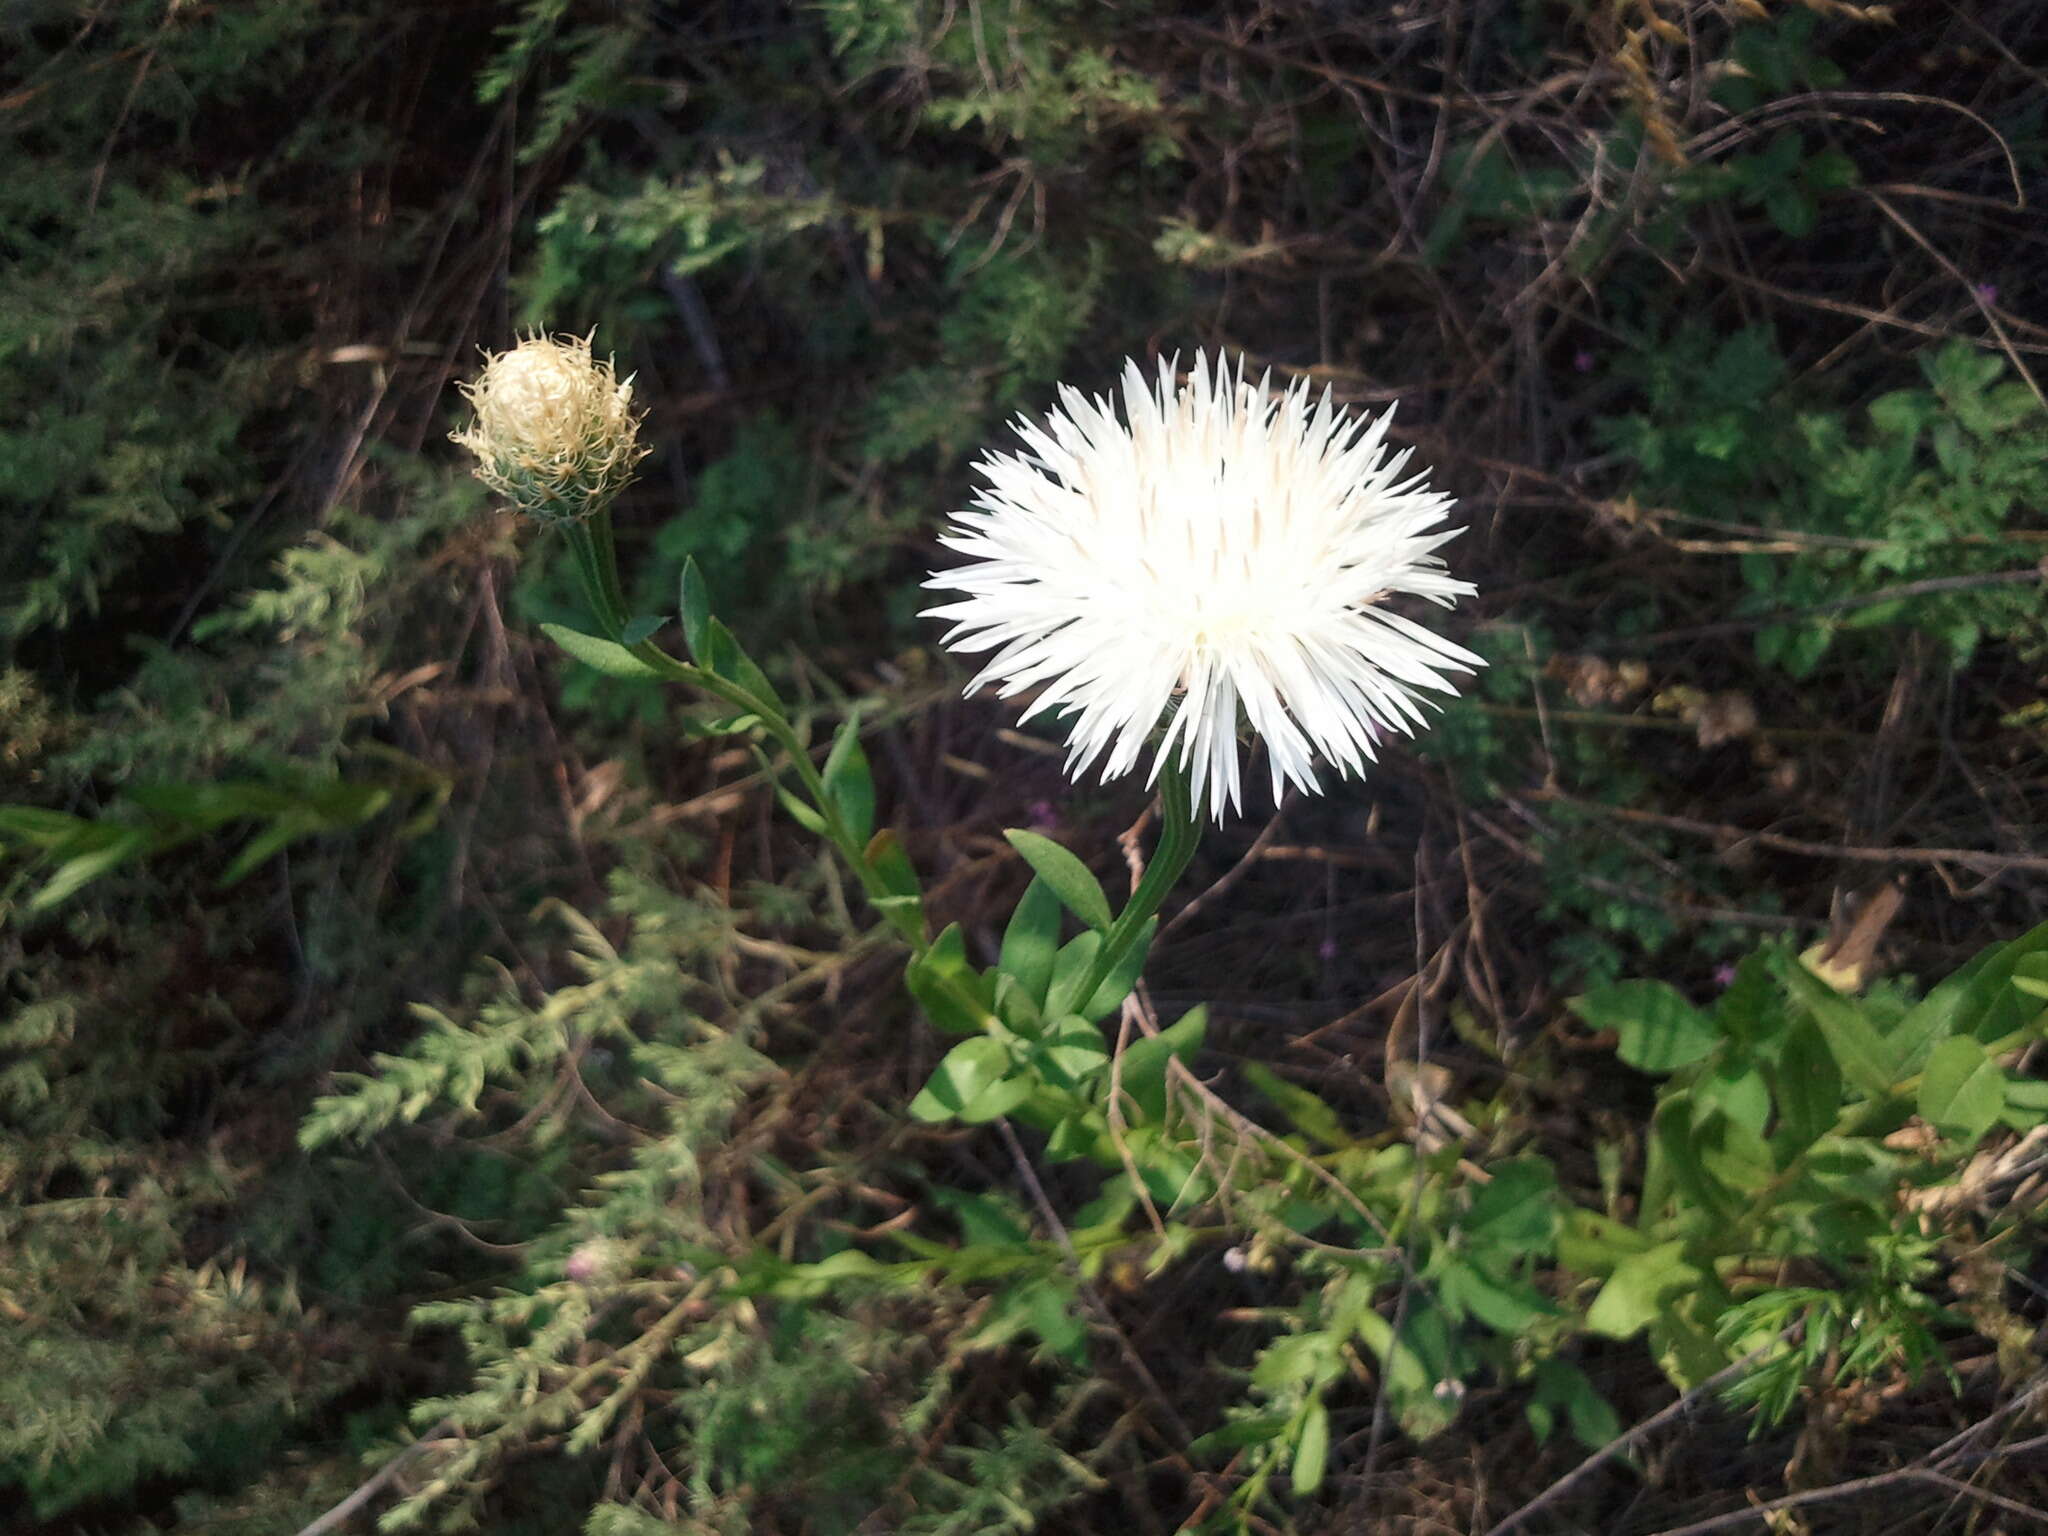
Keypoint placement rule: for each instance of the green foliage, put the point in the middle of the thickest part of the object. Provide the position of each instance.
(1922, 485)
(697, 1226)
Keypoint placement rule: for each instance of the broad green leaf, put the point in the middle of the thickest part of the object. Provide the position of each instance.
(1031, 942)
(1636, 1294)
(1066, 874)
(1116, 986)
(1593, 1244)
(1070, 968)
(886, 857)
(1312, 1449)
(728, 661)
(1734, 1155)
(1675, 1133)
(1808, 1090)
(1977, 1000)
(1409, 1384)
(1075, 1136)
(966, 1070)
(996, 1100)
(606, 656)
(1517, 1212)
(947, 987)
(1658, 1030)
(696, 611)
(1014, 1005)
(1737, 1090)
(848, 783)
(1508, 1307)
(642, 628)
(1962, 1090)
(1862, 1054)
(1142, 1072)
(1072, 1054)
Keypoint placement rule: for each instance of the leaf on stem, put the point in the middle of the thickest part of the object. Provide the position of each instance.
(606, 656)
(1066, 874)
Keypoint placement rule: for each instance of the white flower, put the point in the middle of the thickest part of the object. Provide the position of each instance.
(1221, 548)
(555, 432)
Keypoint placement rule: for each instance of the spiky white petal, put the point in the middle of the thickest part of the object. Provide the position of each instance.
(1221, 548)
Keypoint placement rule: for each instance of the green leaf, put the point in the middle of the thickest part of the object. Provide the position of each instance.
(1507, 1306)
(848, 783)
(282, 832)
(1736, 1089)
(1070, 968)
(903, 907)
(209, 805)
(1067, 875)
(886, 856)
(1792, 209)
(1807, 1086)
(35, 825)
(1594, 1422)
(1142, 1072)
(696, 611)
(1312, 1449)
(1031, 942)
(801, 811)
(1116, 986)
(947, 987)
(1658, 1030)
(995, 1100)
(1072, 1054)
(962, 1075)
(123, 844)
(728, 661)
(1518, 1211)
(1304, 1110)
(1858, 1049)
(1636, 1293)
(1962, 1090)
(1409, 1384)
(606, 656)
(1241, 1433)
(1977, 1000)
(642, 628)
(1677, 1148)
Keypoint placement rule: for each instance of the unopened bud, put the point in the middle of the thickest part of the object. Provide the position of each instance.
(555, 433)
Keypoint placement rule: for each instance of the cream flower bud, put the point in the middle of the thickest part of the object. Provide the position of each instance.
(555, 431)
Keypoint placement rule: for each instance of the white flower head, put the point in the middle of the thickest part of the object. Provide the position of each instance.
(1220, 549)
(555, 431)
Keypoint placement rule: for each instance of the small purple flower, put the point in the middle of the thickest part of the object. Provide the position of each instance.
(594, 1260)
(1724, 976)
(1325, 951)
(1987, 293)
(1582, 360)
(1043, 817)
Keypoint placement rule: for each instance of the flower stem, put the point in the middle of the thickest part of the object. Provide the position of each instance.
(590, 544)
(1180, 829)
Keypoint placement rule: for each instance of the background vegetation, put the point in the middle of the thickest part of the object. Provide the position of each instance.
(436, 1088)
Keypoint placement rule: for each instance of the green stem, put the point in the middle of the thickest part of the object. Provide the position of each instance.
(1180, 829)
(590, 543)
